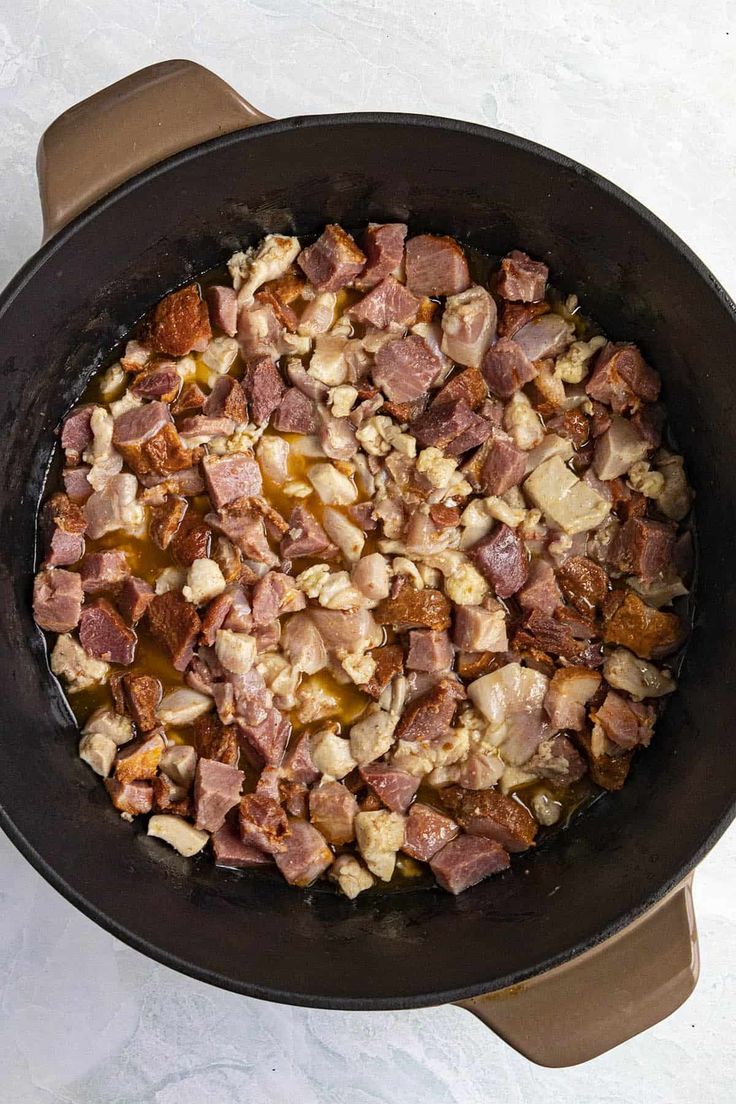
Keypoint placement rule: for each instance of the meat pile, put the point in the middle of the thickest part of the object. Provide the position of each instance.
(350, 474)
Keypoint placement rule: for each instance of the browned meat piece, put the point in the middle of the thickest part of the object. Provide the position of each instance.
(285, 313)
(275, 524)
(176, 625)
(298, 764)
(478, 630)
(214, 740)
(642, 547)
(506, 368)
(491, 814)
(268, 737)
(76, 484)
(162, 382)
(467, 860)
(230, 850)
(471, 665)
(264, 388)
(468, 326)
(140, 759)
(584, 583)
(200, 426)
(103, 571)
(305, 537)
(427, 831)
(573, 425)
(131, 798)
(104, 635)
(166, 519)
(501, 557)
(229, 559)
(191, 541)
(216, 792)
(440, 425)
(648, 632)
(649, 421)
(404, 369)
(306, 855)
(57, 599)
(539, 630)
(191, 400)
(388, 302)
(133, 598)
(521, 278)
(546, 336)
(64, 523)
(226, 400)
(383, 246)
(540, 590)
(569, 691)
(436, 265)
(223, 307)
(260, 331)
(214, 617)
(608, 771)
(389, 659)
(186, 482)
(333, 261)
(143, 693)
(242, 523)
(601, 419)
(625, 723)
(76, 433)
(444, 517)
(180, 324)
(621, 378)
(296, 413)
(294, 797)
(504, 465)
(429, 651)
(332, 810)
(399, 411)
(468, 385)
(148, 441)
(396, 788)
(558, 760)
(168, 797)
(477, 432)
(627, 503)
(429, 716)
(414, 609)
(362, 514)
(514, 316)
(229, 478)
(275, 594)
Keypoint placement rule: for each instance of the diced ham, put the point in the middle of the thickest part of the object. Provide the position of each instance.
(242, 523)
(260, 333)
(468, 385)
(104, 635)
(621, 378)
(504, 465)
(201, 429)
(133, 598)
(161, 382)
(429, 651)
(649, 633)
(426, 832)
(429, 716)
(502, 559)
(214, 740)
(76, 433)
(506, 368)
(467, 860)
(180, 324)
(332, 810)
(226, 400)
(404, 369)
(408, 608)
(569, 691)
(493, 815)
(546, 336)
(618, 448)
(540, 590)
(57, 600)
(477, 432)
(642, 547)
(480, 630)
(383, 245)
(230, 850)
(436, 265)
(305, 536)
(188, 481)
(76, 484)
(333, 261)
(130, 798)
(191, 541)
(296, 413)
(143, 694)
(441, 425)
(396, 788)
(101, 571)
(584, 583)
(558, 760)
(113, 507)
(166, 519)
(264, 388)
(468, 326)
(521, 278)
(223, 307)
(231, 477)
(389, 660)
(298, 764)
(346, 630)
(176, 625)
(625, 723)
(275, 594)
(389, 302)
(306, 855)
(263, 823)
(148, 441)
(190, 401)
(140, 759)
(268, 737)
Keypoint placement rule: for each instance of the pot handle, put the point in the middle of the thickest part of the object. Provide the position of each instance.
(607, 995)
(150, 115)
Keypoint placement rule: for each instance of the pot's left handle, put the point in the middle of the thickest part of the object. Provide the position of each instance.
(104, 140)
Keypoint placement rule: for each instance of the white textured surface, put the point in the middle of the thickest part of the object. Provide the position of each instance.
(644, 94)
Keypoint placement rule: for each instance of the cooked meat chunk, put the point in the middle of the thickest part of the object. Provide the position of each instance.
(296, 413)
(76, 433)
(501, 558)
(162, 382)
(504, 465)
(130, 798)
(176, 625)
(584, 583)
(440, 425)
(546, 336)
(558, 760)
(468, 326)
(618, 448)
(396, 788)
(467, 860)
(383, 245)
(648, 632)
(541, 590)
(405, 368)
(493, 815)
(143, 694)
(223, 308)
(625, 723)
(140, 759)
(104, 635)
(408, 608)
(231, 851)
(642, 547)
(506, 368)
(388, 302)
(264, 388)
(226, 400)
(305, 536)
(231, 477)
(621, 378)
(565, 500)
(100, 571)
(263, 823)
(180, 324)
(426, 832)
(570, 689)
(216, 792)
(333, 261)
(429, 716)
(332, 810)
(436, 265)
(429, 650)
(65, 524)
(166, 519)
(479, 630)
(214, 740)
(306, 855)
(57, 599)
(133, 598)
(521, 278)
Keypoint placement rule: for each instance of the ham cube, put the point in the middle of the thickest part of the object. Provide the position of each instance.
(396, 788)
(104, 635)
(383, 246)
(506, 368)
(231, 477)
(521, 278)
(231, 851)
(404, 369)
(436, 265)
(467, 860)
(216, 791)
(389, 302)
(502, 559)
(57, 599)
(333, 261)
(306, 855)
(332, 811)
(426, 832)
(223, 307)
(493, 815)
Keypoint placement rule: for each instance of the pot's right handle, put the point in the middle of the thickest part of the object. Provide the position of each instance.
(104, 140)
(591, 1004)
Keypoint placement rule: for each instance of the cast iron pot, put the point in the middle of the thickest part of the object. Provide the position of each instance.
(123, 228)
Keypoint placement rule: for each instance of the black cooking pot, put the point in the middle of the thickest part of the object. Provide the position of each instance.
(80, 294)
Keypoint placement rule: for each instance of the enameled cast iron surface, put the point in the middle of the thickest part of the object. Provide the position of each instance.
(81, 293)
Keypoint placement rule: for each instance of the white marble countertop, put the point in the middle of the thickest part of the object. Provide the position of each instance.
(645, 94)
